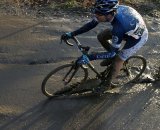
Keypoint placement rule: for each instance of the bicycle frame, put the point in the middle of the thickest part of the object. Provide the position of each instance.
(77, 72)
(84, 51)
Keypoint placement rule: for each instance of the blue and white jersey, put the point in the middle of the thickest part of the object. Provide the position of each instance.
(127, 25)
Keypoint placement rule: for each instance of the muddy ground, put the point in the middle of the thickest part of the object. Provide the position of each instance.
(29, 49)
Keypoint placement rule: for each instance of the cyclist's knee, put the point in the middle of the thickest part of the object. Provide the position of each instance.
(104, 35)
(103, 38)
(99, 37)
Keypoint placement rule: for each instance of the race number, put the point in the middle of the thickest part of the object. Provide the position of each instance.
(139, 31)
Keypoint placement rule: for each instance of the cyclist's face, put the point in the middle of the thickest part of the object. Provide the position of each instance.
(104, 18)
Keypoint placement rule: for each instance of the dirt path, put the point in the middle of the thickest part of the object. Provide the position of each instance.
(25, 41)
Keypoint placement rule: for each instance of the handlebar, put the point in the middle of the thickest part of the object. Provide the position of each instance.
(63, 38)
(83, 49)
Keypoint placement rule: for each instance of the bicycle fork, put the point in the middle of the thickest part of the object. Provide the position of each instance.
(67, 78)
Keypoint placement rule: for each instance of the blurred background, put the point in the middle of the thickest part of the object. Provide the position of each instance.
(152, 7)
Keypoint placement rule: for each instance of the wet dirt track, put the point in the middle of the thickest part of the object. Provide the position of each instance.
(25, 41)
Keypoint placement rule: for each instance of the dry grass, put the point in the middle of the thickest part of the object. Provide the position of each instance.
(72, 3)
(152, 7)
(26, 2)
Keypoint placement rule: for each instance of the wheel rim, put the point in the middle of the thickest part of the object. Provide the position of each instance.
(54, 81)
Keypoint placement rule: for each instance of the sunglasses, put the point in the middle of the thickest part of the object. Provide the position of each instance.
(99, 14)
(94, 11)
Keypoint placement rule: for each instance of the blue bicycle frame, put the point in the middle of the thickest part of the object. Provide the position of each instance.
(86, 58)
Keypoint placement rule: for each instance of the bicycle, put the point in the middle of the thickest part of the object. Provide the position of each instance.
(68, 78)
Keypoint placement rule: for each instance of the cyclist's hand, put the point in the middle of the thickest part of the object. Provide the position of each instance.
(67, 36)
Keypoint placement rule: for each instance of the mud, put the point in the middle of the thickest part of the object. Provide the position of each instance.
(26, 40)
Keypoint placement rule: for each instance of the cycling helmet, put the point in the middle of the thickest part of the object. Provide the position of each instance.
(105, 6)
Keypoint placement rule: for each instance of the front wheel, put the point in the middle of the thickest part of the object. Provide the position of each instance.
(60, 80)
(133, 68)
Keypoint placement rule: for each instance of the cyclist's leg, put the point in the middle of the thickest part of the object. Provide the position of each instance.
(124, 54)
(103, 38)
(116, 67)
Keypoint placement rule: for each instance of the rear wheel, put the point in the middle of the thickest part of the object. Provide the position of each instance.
(58, 82)
(133, 68)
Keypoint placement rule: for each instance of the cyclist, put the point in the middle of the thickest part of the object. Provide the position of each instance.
(127, 24)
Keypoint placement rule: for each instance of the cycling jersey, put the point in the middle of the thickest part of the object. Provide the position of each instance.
(127, 24)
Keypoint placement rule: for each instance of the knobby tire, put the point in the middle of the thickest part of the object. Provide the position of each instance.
(56, 84)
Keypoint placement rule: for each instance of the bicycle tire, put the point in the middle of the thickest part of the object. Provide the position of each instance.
(130, 72)
(62, 89)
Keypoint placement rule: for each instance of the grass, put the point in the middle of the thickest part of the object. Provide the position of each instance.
(64, 5)
(150, 7)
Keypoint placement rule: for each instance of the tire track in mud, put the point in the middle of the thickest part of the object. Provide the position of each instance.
(136, 108)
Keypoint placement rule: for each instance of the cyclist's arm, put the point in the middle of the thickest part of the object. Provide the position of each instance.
(85, 28)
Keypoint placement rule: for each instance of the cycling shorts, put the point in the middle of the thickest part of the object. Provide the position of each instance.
(124, 54)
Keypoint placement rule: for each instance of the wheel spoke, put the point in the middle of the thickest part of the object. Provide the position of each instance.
(55, 82)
